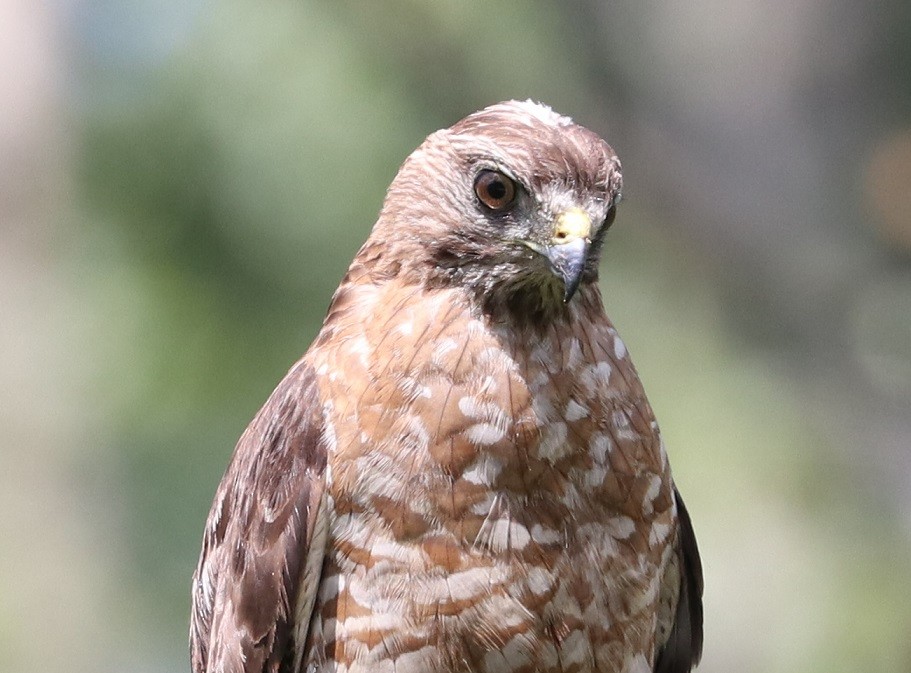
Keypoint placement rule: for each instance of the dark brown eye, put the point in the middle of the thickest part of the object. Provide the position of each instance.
(495, 190)
(609, 218)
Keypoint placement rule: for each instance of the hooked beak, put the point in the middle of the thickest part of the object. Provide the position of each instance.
(569, 249)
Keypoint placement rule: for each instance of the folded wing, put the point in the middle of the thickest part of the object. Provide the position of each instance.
(262, 539)
(683, 647)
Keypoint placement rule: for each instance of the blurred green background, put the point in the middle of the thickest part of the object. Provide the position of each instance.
(183, 183)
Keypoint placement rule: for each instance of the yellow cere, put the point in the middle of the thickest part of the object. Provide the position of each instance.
(571, 225)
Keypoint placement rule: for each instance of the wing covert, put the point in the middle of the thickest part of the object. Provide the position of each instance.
(258, 537)
(683, 647)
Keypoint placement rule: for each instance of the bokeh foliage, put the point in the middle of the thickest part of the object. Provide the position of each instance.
(224, 161)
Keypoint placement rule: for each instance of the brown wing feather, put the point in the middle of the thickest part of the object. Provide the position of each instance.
(258, 534)
(683, 648)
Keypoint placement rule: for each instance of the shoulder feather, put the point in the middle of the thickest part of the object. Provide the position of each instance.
(683, 648)
(258, 536)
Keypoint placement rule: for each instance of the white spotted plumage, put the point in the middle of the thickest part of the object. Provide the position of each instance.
(463, 473)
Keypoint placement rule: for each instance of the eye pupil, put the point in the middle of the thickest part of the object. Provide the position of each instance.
(495, 190)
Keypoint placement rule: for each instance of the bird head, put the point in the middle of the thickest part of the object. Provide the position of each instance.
(512, 202)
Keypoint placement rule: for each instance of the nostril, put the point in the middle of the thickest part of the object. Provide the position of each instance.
(570, 225)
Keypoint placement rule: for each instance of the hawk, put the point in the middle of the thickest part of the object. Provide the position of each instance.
(462, 474)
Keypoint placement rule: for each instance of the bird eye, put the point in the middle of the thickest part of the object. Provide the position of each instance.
(495, 190)
(609, 218)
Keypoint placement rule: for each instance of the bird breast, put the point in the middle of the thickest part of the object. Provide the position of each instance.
(485, 491)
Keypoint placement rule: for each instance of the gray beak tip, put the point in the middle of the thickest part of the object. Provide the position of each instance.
(568, 262)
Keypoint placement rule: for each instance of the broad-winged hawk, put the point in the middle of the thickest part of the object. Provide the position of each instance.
(462, 474)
